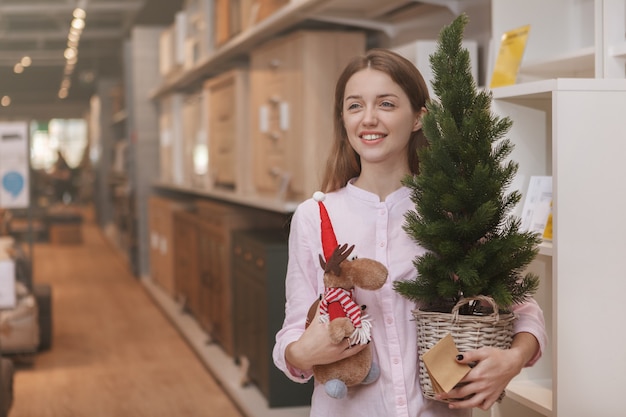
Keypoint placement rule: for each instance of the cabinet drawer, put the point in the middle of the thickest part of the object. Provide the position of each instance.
(227, 104)
(273, 62)
(290, 136)
(224, 133)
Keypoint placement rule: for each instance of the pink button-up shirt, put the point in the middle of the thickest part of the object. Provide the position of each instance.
(375, 228)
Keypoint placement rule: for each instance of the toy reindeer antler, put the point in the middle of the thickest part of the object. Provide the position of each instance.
(339, 255)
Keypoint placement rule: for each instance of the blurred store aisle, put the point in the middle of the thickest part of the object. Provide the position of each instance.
(113, 351)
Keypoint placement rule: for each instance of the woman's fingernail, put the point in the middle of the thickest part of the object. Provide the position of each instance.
(459, 357)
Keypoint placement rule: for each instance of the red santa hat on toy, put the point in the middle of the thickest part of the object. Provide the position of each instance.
(329, 240)
(337, 301)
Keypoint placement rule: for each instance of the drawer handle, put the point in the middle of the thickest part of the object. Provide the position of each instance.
(260, 262)
(247, 256)
(238, 250)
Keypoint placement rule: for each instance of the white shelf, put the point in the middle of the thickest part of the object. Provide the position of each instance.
(545, 248)
(266, 203)
(534, 394)
(543, 89)
(618, 51)
(576, 64)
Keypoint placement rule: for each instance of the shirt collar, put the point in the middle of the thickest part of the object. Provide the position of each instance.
(356, 192)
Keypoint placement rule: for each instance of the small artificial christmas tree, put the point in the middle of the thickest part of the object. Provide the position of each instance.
(475, 247)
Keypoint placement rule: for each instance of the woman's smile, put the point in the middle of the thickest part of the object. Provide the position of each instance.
(371, 137)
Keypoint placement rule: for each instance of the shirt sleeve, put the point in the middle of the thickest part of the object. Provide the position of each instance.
(301, 287)
(531, 320)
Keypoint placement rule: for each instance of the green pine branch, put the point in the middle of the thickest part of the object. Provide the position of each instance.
(462, 210)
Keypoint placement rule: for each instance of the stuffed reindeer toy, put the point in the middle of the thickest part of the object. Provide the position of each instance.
(344, 316)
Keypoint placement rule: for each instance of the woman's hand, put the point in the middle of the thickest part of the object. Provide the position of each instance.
(485, 382)
(315, 348)
(494, 369)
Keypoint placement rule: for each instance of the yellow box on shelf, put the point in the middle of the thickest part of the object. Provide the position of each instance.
(547, 231)
(512, 46)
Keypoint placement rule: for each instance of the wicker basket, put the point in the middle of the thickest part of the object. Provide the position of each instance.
(468, 331)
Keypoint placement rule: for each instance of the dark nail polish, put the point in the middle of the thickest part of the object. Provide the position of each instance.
(459, 357)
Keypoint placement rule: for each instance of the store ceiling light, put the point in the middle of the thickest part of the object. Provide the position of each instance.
(79, 13)
(71, 52)
(78, 24)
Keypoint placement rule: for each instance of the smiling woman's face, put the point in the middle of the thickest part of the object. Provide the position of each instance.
(378, 118)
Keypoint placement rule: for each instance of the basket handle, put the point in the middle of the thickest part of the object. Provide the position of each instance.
(463, 301)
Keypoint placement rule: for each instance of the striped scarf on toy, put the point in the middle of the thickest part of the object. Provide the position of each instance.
(362, 326)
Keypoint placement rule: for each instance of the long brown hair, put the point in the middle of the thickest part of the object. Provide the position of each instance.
(343, 162)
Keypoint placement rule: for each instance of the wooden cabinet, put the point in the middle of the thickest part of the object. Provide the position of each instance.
(228, 129)
(161, 229)
(199, 33)
(186, 260)
(194, 140)
(216, 222)
(171, 144)
(166, 154)
(215, 314)
(259, 260)
(291, 135)
(227, 21)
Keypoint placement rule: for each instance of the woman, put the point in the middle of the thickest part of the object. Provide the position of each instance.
(380, 99)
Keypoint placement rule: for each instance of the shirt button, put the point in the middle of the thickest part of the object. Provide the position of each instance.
(390, 320)
(400, 401)
(381, 244)
(396, 361)
(382, 212)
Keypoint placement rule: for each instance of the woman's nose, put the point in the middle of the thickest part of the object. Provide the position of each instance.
(369, 117)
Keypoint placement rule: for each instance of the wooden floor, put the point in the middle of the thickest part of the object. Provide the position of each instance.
(114, 353)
